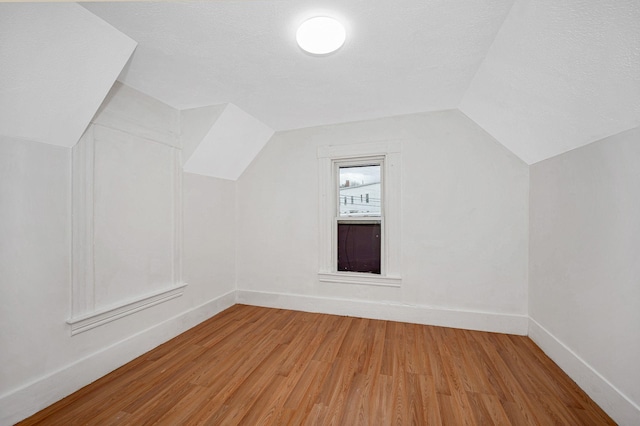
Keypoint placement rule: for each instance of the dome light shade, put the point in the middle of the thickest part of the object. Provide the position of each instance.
(321, 35)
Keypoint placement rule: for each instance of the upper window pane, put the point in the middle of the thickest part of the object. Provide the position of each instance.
(360, 191)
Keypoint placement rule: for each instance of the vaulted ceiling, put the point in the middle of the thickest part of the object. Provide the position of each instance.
(541, 76)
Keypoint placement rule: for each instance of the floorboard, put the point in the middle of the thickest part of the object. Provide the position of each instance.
(250, 365)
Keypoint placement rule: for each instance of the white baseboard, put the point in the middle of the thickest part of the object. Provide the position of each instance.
(37, 395)
(606, 395)
(470, 320)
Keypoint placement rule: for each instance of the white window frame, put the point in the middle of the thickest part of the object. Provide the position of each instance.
(330, 158)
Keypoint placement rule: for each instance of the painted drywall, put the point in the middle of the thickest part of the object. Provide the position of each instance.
(132, 204)
(58, 63)
(209, 236)
(559, 75)
(231, 143)
(585, 265)
(40, 362)
(35, 239)
(419, 56)
(464, 219)
(195, 123)
(133, 112)
(133, 215)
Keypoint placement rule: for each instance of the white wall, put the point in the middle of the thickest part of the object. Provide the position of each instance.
(464, 226)
(585, 268)
(35, 247)
(40, 362)
(58, 63)
(209, 237)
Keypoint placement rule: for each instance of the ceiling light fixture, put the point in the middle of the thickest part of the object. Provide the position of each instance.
(321, 35)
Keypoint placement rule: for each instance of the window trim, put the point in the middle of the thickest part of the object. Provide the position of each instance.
(328, 158)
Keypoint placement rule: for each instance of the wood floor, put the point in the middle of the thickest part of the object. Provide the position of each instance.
(251, 365)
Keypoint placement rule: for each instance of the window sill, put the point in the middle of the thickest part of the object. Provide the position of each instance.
(359, 279)
(95, 319)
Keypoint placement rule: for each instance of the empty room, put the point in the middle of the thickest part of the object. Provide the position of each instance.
(320, 212)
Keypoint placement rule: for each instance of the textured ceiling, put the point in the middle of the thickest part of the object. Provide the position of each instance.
(232, 140)
(541, 76)
(57, 63)
(400, 56)
(560, 74)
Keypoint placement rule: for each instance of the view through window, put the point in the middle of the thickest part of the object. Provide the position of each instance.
(359, 219)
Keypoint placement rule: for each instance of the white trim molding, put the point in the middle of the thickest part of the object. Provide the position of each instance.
(85, 312)
(622, 409)
(103, 316)
(360, 279)
(390, 311)
(176, 266)
(82, 176)
(390, 152)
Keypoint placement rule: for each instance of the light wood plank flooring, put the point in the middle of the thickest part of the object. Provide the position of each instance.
(251, 365)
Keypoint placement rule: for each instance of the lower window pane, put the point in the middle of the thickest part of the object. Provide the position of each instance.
(359, 247)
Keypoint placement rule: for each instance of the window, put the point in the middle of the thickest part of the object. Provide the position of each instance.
(359, 226)
(360, 214)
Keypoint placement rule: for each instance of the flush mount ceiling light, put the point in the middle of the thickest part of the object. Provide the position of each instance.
(321, 35)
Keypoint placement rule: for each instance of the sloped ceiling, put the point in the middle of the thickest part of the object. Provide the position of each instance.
(400, 56)
(541, 76)
(57, 63)
(559, 75)
(231, 140)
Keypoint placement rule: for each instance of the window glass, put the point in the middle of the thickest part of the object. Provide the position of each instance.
(360, 191)
(359, 247)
